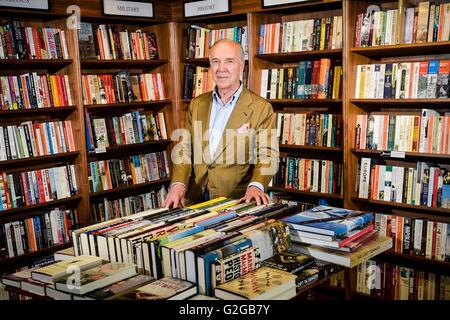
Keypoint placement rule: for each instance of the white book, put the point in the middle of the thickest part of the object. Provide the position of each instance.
(409, 24)
(364, 178)
(2, 145)
(431, 23)
(358, 80)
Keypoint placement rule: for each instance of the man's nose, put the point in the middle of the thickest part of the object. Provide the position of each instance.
(222, 67)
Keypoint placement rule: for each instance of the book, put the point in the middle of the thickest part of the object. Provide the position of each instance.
(95, 278)
(163, 289)
(59, 270)
(117, 289)
(335, 221)
(261, 284)
(86, 41)
(64, 254)
(346, 259)
(291, 262)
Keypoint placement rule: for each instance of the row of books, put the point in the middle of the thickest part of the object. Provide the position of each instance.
(130, 128)
(108, 174)
(314, 129)
(317, 79)
(199, 40)
(36, 139)
(107, 42)
(427, 133)
(313, 175)
(404, 80)
(39, 232)
(108, 208)
(427, 22)
(122, 87)
(32, 91)
(418, 237)
(19, 42)
(197, 81)
(302, 35)
(396, 282)
(37, 186)
(427, 185)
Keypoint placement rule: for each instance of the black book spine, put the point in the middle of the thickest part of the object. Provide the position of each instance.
(57, 38)
(28, 138)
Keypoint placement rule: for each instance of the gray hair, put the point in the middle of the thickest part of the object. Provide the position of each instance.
(241, 50)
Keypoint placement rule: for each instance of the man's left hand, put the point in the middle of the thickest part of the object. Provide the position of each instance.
(254, 193)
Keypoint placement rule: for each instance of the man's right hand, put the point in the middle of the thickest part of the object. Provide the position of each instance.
(175, 197)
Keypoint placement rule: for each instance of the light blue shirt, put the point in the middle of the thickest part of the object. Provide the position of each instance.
(220, 114)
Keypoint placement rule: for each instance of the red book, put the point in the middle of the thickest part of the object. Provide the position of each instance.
(51, 192)
(40, 186)
(433, 241)
(155, 86)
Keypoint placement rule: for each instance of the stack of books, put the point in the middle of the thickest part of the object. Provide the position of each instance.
(335, 235)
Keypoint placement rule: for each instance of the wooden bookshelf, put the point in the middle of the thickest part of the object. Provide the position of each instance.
(59, 157)
(26, 113)
(26, 211)
(128, 105)
(124, 189)
(48, 64)
(303, 55)
(402, 103)
(390, 204)
(335, 103)
(308, 193)
(149, 146)
(441, 157)
(404, 49)
(294, 148)
(121, 64)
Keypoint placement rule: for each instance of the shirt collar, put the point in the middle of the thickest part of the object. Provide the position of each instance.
(234, 97)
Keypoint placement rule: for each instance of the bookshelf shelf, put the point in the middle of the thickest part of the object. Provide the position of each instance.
(404, 49)
(120, 63)
(403, 103)
(433, 210)
(379, 153)
(297, 56)
(307, 193)
(25, 113)
(52, 64)
(22, 212)
(10, 262)
(36, 160)
(413, 258)
(127, 105)
(308, 102)
(291, 147)
(101, 194)
(130, 148)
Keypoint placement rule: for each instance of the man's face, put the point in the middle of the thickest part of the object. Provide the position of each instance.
(226, 65)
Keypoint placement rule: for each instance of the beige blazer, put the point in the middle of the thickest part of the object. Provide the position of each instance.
(248, 150)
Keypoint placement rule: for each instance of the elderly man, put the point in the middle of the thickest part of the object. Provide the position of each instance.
(229, 146)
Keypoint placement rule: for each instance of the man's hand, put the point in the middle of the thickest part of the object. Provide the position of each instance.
(175, 197)
(254, 193)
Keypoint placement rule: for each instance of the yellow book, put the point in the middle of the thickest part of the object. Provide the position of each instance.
(347, 259)
(55, 91)
(336, 81)
(206, 203)
(323, 33)
(261, 284)
(226, 205)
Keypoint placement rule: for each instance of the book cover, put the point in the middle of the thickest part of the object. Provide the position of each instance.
(291, 262)
(86, 40)
(163, 289)
(337, 222)
(263, 283)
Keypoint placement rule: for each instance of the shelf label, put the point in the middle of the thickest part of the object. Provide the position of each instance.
(26, 4)
(128, 8)
(398, 154)
(101, 149)
(271, 3)
(205, 8)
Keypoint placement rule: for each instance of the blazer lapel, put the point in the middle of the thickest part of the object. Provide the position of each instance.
(203, 117)
(240, 115)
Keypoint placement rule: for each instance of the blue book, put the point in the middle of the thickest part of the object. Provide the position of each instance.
(205, 261)
(139, 127)
(50, 143)
(345, 220)
(219, 218)
(261, 38)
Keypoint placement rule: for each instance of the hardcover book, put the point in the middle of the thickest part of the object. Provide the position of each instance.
(97, 277)
(86, 39)
(261, 284)
(163, 289)
(335, 221)
(291, 262)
